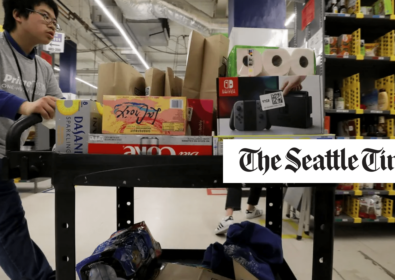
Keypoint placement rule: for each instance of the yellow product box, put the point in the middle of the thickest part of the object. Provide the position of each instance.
(144, 115)
(75, 120)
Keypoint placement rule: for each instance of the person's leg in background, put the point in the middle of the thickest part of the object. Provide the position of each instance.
(233, 203)
(20, 257)
(253, 200)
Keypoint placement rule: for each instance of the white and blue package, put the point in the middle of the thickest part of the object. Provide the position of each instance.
(126, 251)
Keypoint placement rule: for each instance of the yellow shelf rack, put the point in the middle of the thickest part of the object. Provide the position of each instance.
(358, 14)
(387, 45)
(352, 209)
(388, 208)
(351, 92)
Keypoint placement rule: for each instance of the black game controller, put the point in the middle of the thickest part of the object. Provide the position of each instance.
(248, 116)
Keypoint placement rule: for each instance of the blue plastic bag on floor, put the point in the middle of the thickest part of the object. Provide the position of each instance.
(126, 252)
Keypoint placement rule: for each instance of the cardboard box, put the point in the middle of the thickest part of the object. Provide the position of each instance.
(118, 78)
(200, 117)
(183, 272)
(170, 83)
(367, 10)
(218, 141)
(75, 119)
(206, 61)
(344, 42)
(383, 7)
(154, 115)
(241, 273)
(179, 84)
(154, 82)
(150, 145)
(303, 113)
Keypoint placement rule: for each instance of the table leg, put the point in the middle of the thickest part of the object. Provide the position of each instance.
(125, 207)
(324, 216)
(65, 230)
(274, 221)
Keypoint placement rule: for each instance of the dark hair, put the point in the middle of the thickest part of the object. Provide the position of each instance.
(21, 6)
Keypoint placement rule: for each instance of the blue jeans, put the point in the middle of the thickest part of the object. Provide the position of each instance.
(20, 257)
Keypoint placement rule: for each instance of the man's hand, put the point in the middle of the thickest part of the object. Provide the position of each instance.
(44, 106)
(293, 83)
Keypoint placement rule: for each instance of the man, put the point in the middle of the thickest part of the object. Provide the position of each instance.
(28, 86)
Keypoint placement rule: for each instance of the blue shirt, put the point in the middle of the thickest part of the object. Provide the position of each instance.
(31, 55)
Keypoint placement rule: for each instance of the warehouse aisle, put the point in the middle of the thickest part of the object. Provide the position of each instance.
(185, 219)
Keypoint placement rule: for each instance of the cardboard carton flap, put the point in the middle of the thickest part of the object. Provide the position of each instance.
(194, 69)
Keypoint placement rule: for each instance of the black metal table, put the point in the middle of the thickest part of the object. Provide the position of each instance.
(127, 172)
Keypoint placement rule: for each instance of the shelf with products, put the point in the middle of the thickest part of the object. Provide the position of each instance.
(366, 209)
(360, 112)
(343, 218)
(338, 58)
(364, 192)
(366, 189)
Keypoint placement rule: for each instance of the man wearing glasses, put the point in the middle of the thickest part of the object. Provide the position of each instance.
(27, 86)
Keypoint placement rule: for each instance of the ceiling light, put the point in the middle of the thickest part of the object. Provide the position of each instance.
(123, 33)
(290, 19)
(82, 81)
(56, 68)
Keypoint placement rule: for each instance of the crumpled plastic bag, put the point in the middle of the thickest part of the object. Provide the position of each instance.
(126, 251)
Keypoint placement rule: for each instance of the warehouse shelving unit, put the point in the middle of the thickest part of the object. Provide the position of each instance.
(127, 172)
(354, 72)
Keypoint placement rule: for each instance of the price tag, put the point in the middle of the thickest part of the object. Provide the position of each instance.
(346, 192)
(376, 112)
(345, 56)
(272, 100)
(345, 220)
(347, 15)
(341, 111)
(381, 16)
(377, 220)
(381, 58)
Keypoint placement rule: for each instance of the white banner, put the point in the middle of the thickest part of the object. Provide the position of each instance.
(308, 161)
(57, 44)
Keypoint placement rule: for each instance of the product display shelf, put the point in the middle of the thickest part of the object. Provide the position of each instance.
(360, 112)
(365, 192)
(344, 218)
(127, 172)
(360, 57)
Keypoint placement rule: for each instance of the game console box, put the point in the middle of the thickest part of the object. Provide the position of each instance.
(150, 145)
(298, 106)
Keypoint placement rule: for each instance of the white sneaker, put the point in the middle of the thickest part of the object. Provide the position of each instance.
(254, 214)
(224, 225)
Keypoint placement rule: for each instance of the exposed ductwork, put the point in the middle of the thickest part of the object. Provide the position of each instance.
(179, 11)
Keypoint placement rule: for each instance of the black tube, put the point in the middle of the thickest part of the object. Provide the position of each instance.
(13, 139)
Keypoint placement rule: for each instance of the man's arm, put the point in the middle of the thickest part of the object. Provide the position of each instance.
(9, 105)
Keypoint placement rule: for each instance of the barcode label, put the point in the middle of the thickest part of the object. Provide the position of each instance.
(272, 100)
(176, 104)
(277, 98)
(147, 91)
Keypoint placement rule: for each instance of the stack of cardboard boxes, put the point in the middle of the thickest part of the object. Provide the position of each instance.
(163, 114)
(157, 114)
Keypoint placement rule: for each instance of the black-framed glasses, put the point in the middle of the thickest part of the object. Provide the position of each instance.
(47, 18)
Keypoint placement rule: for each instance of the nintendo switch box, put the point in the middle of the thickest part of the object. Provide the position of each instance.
(284, 105)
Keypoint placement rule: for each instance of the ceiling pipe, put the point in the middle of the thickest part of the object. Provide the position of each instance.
(179, 11)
